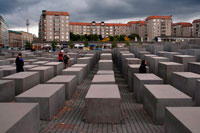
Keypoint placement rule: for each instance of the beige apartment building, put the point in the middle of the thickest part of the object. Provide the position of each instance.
(138, 27)
(103, 29)
(196, 28)
(27, 37)
(158, 26)
(54, 26)
(15, 39)
(4, 36)
(182, 29)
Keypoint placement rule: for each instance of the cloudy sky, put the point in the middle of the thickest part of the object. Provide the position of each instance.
(15, 12)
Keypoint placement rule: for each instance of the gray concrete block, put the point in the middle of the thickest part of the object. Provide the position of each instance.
(165, 70)
(161, 53)
(19, 118)
(70, 82)
(46, 72)
(4, 62)
(102, 104)
(27, 67)
(106, 56)
(85, 60)
(140, 80)
(184, 59)
(182, 120)
(142, 53)
(24, 81)
(105, 72)
(74, 71)
(170, 55)
(58, 67)
(31, 61)
(1, 73)
(85, 69)
(105, 65)
(40, 63)
(7, 90)
(51, 98)
(185, 82)
(147, 58)
(194, 67)
(8, 71)
(103, 79)
(132, 69)
(11, 60)
(153, 63)
(157, 97)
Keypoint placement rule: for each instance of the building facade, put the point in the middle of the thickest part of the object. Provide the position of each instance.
(15, 39)
(4, 36)
(196, 28)
(158, 26)
(54, 26)
(103, 29)
(138, 27)
(27, 37)
(182, 29)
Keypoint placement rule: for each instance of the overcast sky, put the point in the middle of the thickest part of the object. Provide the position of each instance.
(15, 12)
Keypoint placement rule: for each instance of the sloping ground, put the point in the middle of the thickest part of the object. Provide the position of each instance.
(71, 118)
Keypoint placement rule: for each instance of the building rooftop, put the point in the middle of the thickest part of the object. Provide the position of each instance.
(183, 24)
(56, 13)
(159, 17)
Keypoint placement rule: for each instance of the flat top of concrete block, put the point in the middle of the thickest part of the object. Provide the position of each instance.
(41, 62)
(170, 63)
(103, 91)
(125, 54)
(150, 55)
(30, 60)
(62, 79)
(11, 113)
(5, 81)
(132, 59)
(9, 68)
(147, 76)
(53, 63)
(134, 65)
(173, 53)
(103, 78)
(188, 116)
(73, 69)
(40, 68)
(6, 66)
(20, 75)
(187, 74)
(144, 52)
(158, 57)
(85, 58)
(105, 54)
(166, 92)
(195, 63)
(79, 65)
(184, 56)
(30, 66)
(105, 61)
(162, 52)
(105, 72)
(42, 90)
(11, 59)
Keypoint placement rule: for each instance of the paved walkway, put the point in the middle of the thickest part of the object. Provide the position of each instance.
(71, 118)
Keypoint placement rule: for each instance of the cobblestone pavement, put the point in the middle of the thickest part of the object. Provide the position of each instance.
(71, 118)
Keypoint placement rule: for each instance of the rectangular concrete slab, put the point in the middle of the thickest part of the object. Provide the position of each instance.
(103, 104)
(153, 63)
(165, 70)
(7, 90)
(103, 79)
(70, 82)
(184, 59)
(58, 67)
(40, 63)
(157, 97)
(185, 82)
(105, 72)
(194, 67)
(182, 120)
(140, 80)
(27, 67)
(19, 118)
(51, 98)
(46, 72)
(105, 65)
(85, 69)
(24, 81)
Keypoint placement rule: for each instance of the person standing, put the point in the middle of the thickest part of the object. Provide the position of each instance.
(19, 63)
(143, 68)
(60, 56)
(66, 59)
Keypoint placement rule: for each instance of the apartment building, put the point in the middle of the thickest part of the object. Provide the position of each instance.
(54, 26)
(158, 26)
(196, 28)
(182, 29)
(103, 29)
(4, 36)
(27, 37)
(138, 27)
(15, 39)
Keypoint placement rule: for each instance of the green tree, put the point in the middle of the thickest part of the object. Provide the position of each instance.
(71, 44)
(86, 43)
(53, 44)
(28, 45)
(114, 43)
(127, 44)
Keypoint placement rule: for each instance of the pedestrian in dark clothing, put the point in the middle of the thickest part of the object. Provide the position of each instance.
(143, 68)
(66, 59)
(19, 63)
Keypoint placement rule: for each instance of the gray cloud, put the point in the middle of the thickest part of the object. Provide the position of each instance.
(17, 11)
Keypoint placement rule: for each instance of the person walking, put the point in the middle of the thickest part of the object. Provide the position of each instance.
(19, 63)
(143, 68)
(60, 56)
(66, 59)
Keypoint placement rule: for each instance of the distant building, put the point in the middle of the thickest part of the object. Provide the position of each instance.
(138, 27)
(158, 26)
(182, 29)
(196, 28)
(4, 37)
(54, 26)
(15, 39)
(103, 29)
(27, 37)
